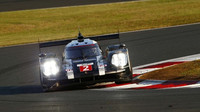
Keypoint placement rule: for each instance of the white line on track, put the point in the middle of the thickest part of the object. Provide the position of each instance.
(142, 71)
(185, 58)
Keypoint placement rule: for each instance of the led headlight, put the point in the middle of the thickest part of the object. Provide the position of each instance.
(50, 67)
(119, 59)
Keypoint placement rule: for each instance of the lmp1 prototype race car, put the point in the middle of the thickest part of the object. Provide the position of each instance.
(83, 62)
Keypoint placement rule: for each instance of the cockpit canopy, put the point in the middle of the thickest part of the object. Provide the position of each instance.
(80, 50)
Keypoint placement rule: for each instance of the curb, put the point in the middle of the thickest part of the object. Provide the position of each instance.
(156, 84)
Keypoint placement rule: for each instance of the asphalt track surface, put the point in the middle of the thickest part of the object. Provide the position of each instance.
(13, 5)
(20, 90)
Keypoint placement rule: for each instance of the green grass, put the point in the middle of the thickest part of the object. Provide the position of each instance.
(184, 71)
(19, 27)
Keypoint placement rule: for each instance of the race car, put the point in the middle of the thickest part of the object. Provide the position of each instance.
(84, 62)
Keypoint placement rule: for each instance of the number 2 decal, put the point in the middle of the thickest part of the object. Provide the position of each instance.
(85, 68)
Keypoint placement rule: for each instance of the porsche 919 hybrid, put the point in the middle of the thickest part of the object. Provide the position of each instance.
(84, 62)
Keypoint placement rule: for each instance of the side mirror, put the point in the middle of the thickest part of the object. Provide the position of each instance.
(42, 55)
(122, 45)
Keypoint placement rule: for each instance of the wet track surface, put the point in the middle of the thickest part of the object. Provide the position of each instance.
(20, 90)
(13, 5)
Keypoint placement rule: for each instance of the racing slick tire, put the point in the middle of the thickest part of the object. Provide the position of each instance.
(125, 77)
(45, 86)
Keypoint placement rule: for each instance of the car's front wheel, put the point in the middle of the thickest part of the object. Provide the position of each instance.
(45, 84)
(124, 77)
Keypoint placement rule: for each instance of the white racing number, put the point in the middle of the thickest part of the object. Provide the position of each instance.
(86, 68)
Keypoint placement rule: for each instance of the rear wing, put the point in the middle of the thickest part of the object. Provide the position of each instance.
(65, 42)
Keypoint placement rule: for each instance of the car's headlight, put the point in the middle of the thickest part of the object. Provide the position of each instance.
(50, 67)
(119, 60)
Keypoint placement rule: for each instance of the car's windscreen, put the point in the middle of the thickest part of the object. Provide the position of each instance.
(82, 52)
